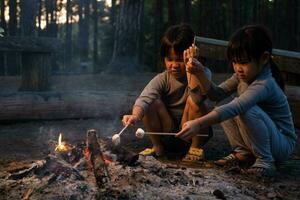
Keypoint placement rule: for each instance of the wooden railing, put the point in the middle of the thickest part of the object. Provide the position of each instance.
(288, 61)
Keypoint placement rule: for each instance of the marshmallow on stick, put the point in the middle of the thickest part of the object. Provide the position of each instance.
(140, 133)
(116, 139)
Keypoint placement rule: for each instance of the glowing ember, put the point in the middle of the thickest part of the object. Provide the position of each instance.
(87, 155)
(62, 146)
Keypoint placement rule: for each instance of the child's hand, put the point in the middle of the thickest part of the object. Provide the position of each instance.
(130, 119)
(189, 130)
(193, 66)
(191, 52)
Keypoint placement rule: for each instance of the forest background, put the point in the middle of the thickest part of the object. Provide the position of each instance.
(124, 35)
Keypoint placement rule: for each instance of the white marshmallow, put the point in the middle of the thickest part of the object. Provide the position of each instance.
(116, 139)
(140, 133)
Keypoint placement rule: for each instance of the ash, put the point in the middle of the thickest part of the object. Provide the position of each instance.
(54, 178)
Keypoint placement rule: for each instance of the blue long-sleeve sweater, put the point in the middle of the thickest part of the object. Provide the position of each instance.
(263, 91)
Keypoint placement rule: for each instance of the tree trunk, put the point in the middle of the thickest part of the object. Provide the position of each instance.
(12, 24)
(113, 16)
(80, 25)
(254, 10)
(2, 25)
(281, 24)
(95, 39)
(236, 14)
(158, 28)
(275, 16)
(40, 17)
(261, 12)
(292, 25)
(172, 18)
(83, 35)
(187, 11)
(297, 21)
(85, 32)
(3, 22)
(54, 31)
(113, 13)
(68, 40)
(127, 37)
(141, 39)
(12, 60)
(51, 16)
(202, 9)
(28, 14)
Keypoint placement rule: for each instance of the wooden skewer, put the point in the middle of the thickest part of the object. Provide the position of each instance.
(123, 130)
(158, 133)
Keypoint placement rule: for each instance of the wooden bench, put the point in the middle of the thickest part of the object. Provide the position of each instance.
(35, 53)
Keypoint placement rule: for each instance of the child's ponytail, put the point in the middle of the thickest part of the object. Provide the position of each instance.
(276, 74)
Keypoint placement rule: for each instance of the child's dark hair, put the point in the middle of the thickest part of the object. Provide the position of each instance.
(178, 37)
(249, 43)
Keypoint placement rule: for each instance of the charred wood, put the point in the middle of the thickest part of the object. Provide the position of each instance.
(125, 156)
(95, 157)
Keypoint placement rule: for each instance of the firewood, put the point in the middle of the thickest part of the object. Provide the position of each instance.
(44, 183)
(21, 174)
(96, 159)
(27, 194)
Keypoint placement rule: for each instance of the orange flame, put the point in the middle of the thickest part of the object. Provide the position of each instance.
(61, 145)
(87, 155)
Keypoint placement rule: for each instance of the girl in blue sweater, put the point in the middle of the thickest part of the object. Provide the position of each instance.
(258, 121)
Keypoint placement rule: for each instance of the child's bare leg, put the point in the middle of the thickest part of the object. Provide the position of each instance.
(195, 111)
(195, 108)
(157, 119)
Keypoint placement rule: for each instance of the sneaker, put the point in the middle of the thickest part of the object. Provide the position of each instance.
(261, 172)
(229, 160)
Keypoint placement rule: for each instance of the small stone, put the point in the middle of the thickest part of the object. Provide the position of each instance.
(219, 194)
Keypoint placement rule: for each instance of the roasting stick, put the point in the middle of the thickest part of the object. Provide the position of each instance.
(123, 129)
(190, 84)
(140, 133)
(194, 43)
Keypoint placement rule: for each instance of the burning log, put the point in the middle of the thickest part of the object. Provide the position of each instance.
(96, 159)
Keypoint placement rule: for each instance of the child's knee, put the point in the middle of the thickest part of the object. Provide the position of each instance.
(191, 103)
(253, 113)
(156, 105)
(196, 104)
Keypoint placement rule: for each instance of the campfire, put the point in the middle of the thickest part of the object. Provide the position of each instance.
(90, 170)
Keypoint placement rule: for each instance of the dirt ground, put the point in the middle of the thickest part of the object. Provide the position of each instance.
(27, 141)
